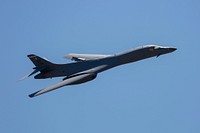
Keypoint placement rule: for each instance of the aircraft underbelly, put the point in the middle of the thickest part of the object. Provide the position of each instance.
(74, 68)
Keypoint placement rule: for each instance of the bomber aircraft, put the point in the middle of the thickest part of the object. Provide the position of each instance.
(87, 66)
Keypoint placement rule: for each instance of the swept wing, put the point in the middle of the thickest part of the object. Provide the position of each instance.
(77, 79)
(85, 57)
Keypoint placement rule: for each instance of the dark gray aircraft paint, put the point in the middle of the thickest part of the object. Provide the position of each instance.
(87, 66)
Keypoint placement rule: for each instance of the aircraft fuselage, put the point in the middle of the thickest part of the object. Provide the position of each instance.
(99, 65)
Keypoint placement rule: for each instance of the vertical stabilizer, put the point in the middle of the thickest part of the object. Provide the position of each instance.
(38, 61)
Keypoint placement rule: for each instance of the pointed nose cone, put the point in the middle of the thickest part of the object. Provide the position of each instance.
(172, 49)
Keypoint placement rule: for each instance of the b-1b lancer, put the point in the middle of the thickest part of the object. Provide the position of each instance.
(87, 66)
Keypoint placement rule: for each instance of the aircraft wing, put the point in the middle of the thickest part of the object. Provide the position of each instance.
(76, 79)
(85, 57)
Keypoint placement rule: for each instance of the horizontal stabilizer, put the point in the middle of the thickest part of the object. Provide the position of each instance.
(30, 74)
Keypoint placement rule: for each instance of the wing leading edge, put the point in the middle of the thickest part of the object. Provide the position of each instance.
(68, 81)
(85, 57)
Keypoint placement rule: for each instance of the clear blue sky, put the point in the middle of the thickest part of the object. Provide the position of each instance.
(157, 95)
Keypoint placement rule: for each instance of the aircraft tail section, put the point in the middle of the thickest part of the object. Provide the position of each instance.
(41, 65)
(39, 61)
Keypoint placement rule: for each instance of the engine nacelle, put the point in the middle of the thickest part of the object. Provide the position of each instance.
(87, 77)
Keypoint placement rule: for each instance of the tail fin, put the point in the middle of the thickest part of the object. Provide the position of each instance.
(38, 61)
(41, 65)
